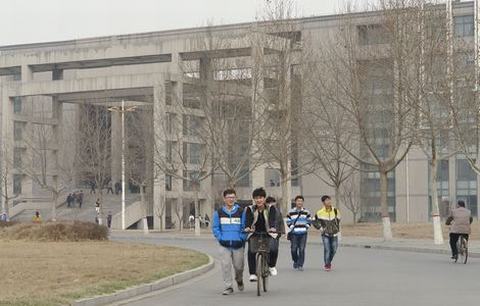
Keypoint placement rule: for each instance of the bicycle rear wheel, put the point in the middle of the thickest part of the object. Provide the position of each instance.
(259, 270)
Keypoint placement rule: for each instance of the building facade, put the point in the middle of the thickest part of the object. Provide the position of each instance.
(45, 86)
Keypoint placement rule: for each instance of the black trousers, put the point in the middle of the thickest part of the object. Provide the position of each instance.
(274, 245)
(453, 242)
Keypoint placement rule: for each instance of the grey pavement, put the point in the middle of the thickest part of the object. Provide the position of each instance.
(361, 276)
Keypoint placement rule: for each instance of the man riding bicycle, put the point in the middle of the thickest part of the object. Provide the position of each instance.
(259, 219)
(460, 220)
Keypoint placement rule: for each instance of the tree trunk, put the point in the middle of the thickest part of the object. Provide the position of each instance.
(54, 207)
(354, 218)
(337, 195)
(387, 227)
(144, 207)
(286, 188)
(197, 211)
(437, 227)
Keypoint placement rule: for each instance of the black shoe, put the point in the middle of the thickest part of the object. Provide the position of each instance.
(227, 291)
(240, 286)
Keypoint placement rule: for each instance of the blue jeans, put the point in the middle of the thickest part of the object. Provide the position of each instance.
(298, 243)
(330, 245)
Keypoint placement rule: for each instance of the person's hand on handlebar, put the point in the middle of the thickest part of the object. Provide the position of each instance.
(272, 230)
(248, 230)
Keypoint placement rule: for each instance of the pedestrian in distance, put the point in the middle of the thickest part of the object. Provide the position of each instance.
(109, 220)
(93, 187)
(109, 188)
(327, 220)
(69, 200)
(298, 222)
(80, 198)
(228, 228)
(97, 206)
(37, 218)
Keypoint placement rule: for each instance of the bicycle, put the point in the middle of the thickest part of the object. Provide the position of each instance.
(260, 245)
(462, 248)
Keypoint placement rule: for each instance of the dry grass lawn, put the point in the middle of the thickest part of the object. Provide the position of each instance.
(56, 273)
(411, 231)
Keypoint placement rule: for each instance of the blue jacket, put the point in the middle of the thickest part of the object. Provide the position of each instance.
(227, 227)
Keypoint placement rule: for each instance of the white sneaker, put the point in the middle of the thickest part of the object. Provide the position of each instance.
(253, 278)
(273, 271)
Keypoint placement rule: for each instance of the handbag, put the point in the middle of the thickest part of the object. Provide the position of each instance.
(290, 232)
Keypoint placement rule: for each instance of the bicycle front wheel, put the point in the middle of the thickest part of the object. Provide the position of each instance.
(265, 274)
(258, 270)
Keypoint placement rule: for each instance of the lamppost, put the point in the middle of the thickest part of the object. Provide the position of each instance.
(122, 111)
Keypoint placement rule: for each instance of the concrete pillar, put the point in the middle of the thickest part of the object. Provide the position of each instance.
(27, 73)
(116, 147)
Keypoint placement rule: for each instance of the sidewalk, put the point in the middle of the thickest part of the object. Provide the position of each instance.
(397, 244)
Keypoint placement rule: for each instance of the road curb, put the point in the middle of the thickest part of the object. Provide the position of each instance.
(403, 249)
(146, 288)
(363, 244)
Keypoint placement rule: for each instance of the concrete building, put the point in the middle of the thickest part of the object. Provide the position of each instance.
(149, 70)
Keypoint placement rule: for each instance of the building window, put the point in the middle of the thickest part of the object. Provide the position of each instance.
(466, 185)
(192, 180)
(464, 26)
(168, 182)
(192, 153)
(191, 95)
(17, 158)
(169, 145)
(442, 187)
(18, 130)
(171, 117)
(17, 184)
(372, 34)
(370, 183)
(192, 125)
(272, 177)
(17, 105)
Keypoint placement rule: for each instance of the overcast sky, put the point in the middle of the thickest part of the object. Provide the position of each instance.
(30, 21)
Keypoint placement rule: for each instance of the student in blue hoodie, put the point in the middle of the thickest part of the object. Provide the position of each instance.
(228, 228)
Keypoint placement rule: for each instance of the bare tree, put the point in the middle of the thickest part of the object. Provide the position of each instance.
(377, 71)
(93, 158)
(277, 78)
(328, 129)
(181, 150)
(6, 179)
(140, 153)
(43, 162)
(350, 191)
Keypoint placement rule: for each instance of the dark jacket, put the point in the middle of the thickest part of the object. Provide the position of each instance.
(270, 216)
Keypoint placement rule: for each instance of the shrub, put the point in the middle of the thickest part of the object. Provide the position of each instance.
(5, 223)
(56, 231)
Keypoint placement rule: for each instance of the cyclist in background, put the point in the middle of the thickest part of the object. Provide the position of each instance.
(460, 219)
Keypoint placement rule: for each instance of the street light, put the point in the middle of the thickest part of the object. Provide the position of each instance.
(122, 111)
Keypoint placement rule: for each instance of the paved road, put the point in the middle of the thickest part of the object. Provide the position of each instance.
(361, 277)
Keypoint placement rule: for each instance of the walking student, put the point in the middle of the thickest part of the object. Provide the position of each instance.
(228, 228)
(298, 222)
(327, 219)
(259, 219)
(275, 243)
